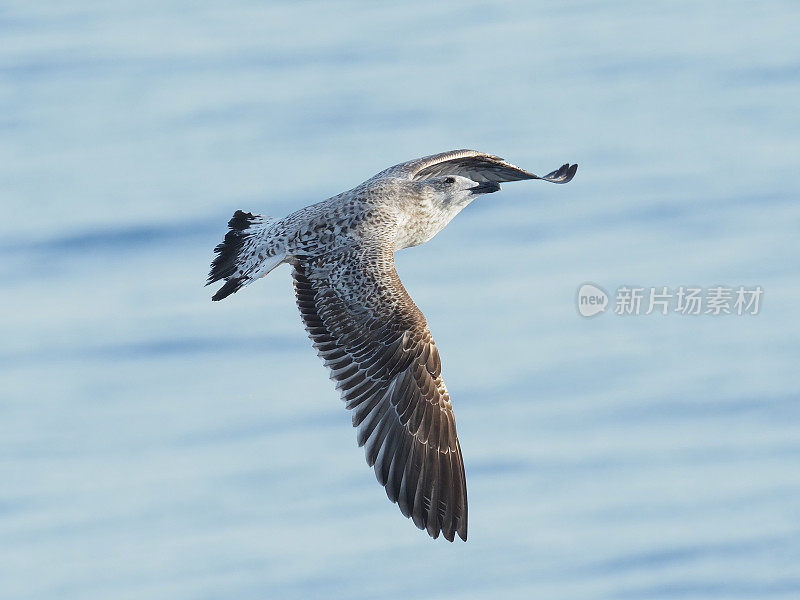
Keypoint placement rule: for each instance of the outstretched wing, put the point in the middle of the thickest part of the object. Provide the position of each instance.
(380, 352)
(479, 167)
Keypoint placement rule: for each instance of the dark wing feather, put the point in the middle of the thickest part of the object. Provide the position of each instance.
(563, 174)
(381, 354)
(480, 167)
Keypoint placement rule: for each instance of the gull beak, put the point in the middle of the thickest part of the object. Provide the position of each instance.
(485, 187)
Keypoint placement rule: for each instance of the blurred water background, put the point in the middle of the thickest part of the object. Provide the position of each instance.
(154, 444)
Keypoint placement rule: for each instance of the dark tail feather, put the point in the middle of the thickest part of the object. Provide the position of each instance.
(225, 263)
(239, 259)
(230, 287)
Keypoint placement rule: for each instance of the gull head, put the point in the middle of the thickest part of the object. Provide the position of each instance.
(447, 191)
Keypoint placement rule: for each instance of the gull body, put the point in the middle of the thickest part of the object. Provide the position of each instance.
(364, 325)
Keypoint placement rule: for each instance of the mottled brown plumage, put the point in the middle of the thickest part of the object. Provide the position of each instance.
(363, 323)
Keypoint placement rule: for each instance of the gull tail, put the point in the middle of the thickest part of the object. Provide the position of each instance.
(246, 253)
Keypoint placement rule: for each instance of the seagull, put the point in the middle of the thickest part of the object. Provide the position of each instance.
(364, 325)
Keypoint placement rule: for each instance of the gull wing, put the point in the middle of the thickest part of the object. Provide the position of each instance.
(479, 167)
(380, 352)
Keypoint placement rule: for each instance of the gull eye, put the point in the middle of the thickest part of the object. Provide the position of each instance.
(450, 180)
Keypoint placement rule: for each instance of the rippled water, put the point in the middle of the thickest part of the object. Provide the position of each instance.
(156, 445)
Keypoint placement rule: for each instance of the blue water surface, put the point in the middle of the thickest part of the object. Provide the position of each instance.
(156, 445)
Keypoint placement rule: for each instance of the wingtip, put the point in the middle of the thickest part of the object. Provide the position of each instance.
(563, 174)
(572, 170)
(462, 527)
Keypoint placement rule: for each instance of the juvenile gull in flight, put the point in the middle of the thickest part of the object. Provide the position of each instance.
(364, 325)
